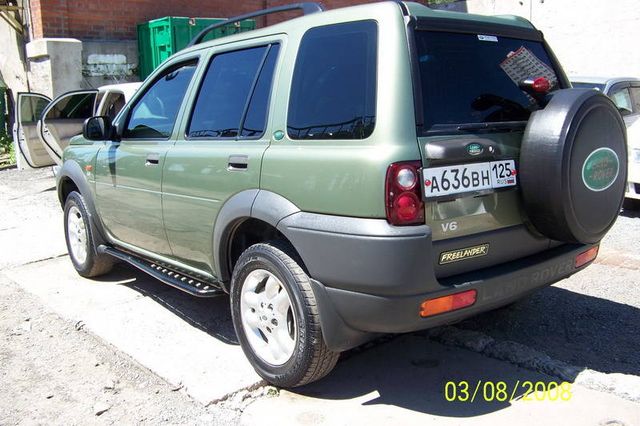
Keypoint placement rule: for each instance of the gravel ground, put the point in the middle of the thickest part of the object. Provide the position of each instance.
(79, 379)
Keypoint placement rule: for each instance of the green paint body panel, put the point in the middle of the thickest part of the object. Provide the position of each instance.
(169, 211)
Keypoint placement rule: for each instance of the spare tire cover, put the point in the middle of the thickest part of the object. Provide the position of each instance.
(573, 166)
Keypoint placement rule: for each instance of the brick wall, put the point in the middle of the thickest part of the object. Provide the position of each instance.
(117, 19)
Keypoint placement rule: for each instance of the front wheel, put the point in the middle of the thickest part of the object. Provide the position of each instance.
(80, 243)
(276, 317)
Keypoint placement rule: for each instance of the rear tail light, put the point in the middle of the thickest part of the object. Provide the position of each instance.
(586, 256)
(448, 303)
(403, 198)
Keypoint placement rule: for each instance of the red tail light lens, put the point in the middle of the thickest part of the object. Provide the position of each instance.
(541, 85)
(403, 198)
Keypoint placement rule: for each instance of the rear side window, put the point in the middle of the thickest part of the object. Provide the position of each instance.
(333, 93)
(233, 98)
(471, 78)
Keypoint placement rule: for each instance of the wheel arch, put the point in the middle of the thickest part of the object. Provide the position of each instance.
(247, 215)
(70, 178)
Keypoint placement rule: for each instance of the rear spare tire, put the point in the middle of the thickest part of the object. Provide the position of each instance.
(573, 168)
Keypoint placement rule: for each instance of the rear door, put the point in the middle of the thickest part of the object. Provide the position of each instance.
(29, 108)
(220, 152)
(63, 118)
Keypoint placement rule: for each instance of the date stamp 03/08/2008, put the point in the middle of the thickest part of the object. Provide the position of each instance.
(500, 391)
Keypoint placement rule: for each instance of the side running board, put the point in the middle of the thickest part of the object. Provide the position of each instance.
(175, 279)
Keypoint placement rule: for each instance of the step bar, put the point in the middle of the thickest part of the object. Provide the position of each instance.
(179, 280)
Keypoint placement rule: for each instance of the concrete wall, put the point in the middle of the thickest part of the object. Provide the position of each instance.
(109, 62)
(55, 65)
(590, 37)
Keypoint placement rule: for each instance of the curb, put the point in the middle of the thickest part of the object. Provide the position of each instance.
(624, 386)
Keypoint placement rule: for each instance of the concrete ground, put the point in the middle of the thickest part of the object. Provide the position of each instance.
(124, 348)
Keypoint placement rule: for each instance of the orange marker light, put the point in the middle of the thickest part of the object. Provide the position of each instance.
(586, 256)
(448, 303)
(88, 167)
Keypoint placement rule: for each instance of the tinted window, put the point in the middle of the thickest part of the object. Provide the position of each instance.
(635, 96)
(154, 115)
(31, 108)
(622, 99)
(223, 96)
(256, 118)
(333, 94)
(78, 106)
(467, 78)
(112, 105)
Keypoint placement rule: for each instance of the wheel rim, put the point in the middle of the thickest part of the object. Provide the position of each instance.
(77, 235)
(267, 317)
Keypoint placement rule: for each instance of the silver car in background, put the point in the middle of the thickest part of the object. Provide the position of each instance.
(625, 93)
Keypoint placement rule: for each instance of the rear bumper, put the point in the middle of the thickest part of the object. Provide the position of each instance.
(371, 278)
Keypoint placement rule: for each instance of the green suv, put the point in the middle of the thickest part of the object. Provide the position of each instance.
(374, 169)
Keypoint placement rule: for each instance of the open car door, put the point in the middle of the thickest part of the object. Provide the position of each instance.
(63, 119)
(29, 107)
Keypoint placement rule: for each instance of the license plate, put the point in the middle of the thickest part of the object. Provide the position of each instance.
(450, 180)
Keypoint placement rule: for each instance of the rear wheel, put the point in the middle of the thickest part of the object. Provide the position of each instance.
(276, 317)
(80, 243)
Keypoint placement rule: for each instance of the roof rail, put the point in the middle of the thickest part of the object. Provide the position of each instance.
(307, 9)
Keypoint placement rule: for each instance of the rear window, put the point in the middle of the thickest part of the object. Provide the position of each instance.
(471, 78)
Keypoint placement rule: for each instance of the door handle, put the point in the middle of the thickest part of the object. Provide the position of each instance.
(152, 160)
(238, 162)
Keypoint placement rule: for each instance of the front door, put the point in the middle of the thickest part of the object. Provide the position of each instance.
(63, 118)
(129, 172)
(29, 107)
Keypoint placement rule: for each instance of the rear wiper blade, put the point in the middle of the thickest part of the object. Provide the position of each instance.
(507, 125)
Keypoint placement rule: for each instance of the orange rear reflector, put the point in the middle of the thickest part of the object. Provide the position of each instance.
(586, 256)
(448, 303)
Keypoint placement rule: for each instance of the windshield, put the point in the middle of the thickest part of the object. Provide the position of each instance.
(473, 78)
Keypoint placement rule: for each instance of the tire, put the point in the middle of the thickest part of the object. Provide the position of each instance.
(303, 357)
(80, 242)
(573, 166)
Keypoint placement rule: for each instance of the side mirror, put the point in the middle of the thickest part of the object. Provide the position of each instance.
(98, 129)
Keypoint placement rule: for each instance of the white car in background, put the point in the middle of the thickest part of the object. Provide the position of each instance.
(43, 128)
(625, 93)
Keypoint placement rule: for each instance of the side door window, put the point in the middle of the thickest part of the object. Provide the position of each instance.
(63, 119)
(635, 98)
(622, 99)
(154, 114)
(333, 93)
(233, 97)
(112, 105)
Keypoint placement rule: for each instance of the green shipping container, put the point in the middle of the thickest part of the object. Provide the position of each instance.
(161, 38)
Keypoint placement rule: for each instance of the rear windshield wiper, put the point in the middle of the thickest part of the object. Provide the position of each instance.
(468, 127)
(507, 125)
